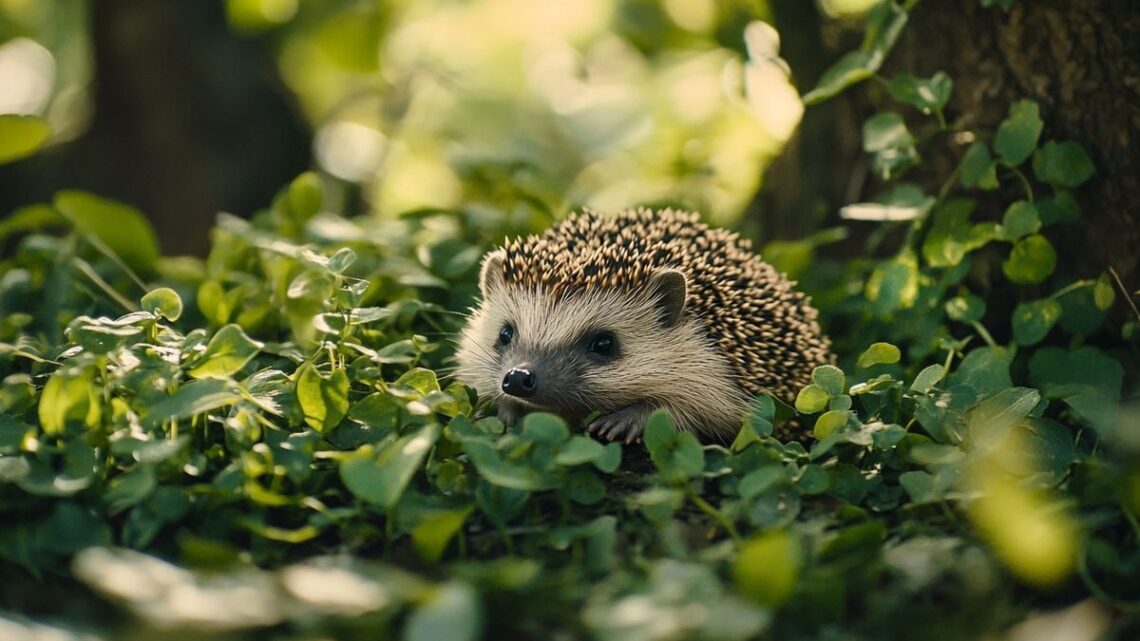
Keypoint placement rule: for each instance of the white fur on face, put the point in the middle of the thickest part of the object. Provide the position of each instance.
(673, 367)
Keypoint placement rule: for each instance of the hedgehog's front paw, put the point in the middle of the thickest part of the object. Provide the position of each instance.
(626, 424)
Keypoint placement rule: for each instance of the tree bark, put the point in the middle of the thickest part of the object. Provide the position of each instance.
(1079, 59)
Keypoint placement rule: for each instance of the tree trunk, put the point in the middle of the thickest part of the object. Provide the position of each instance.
(1079, 59)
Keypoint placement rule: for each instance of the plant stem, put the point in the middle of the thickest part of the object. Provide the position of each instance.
(1071, 287)
(716, 514)
(984, 333)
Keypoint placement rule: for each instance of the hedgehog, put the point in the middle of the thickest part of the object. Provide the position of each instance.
(613, 317)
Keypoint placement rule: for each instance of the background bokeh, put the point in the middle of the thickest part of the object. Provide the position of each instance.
(185, 108)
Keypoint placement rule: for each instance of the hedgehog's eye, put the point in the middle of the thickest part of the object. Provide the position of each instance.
(506, 334)
(603, 344)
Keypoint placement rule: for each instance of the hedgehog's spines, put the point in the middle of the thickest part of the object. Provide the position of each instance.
(735, 295)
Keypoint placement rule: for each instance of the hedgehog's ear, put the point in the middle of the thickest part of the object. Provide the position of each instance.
(670, 286)
(491, 276)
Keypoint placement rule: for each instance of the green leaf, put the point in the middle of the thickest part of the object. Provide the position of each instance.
(341, 261)
(1017, 135)
(830, 378)
(676, 455)
(985, 369)
(893, 285)
(1032, 321)
(324, 400)
(1020, 220)
(579, 450)
(1031, 260)
(952, 236)
(21, 136)
(1053, 369)
(381, 477)
(965, 309)
(885, 135)
(226, 354)
(921, 487)
(879, 354)
(767, 569)
(759, 481)
(126, 490)
(121, 228)
(1063, 164)
(829, 423)
(543, 427)
(431, 536)
(978, 168)
(452, 612)
(304, 197)
(992, 419)
(884, 24)
(164, 302)
(928, 378)
(69, 396)
(192, 399)
(927, 95)
(584, 487)
(1104, 295)
(853, 68)
(1060, 208)
(811, 399)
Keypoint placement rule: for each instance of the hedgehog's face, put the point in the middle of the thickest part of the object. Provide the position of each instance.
(598, 349)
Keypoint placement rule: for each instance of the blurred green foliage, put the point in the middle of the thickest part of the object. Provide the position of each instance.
(267, 444)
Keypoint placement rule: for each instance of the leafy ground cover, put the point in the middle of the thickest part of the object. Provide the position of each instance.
(267, 444)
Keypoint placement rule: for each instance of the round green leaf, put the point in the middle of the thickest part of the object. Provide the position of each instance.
(164, 302)
(1020, 220)
(811, 399)
(1017, 136)
(966, 309)
(1032, 321)
(1063, 164)
(1031, 261)
(543, 427)
(1104, 295)
(830, 378)
(21, 136)
(879, 354)
(829, 423)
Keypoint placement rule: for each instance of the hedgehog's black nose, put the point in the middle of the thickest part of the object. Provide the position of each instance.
(520, 382)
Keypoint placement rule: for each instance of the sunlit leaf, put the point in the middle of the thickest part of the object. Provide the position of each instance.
(1031, 260)
(227, 352)
(121, 228)
(21, 136)
(323, 399)
(879, 354)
